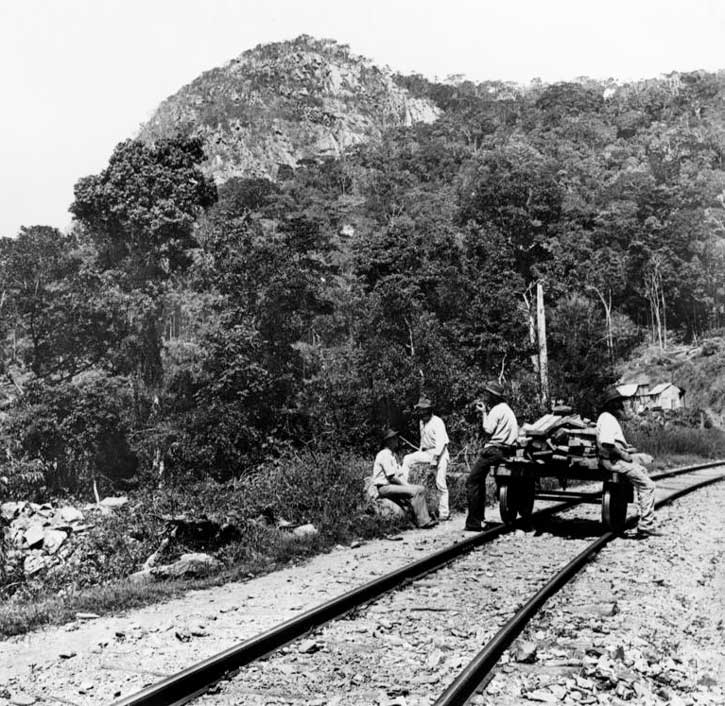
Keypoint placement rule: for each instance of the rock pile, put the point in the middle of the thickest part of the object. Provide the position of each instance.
(37, 536)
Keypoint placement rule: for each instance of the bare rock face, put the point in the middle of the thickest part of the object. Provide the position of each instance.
(280, 104)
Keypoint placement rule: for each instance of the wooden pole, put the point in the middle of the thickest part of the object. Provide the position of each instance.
(530, 318)
(543, 356)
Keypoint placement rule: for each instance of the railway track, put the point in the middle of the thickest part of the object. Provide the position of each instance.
(197, 679)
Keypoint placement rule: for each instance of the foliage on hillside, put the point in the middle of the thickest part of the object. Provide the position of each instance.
(218, 330)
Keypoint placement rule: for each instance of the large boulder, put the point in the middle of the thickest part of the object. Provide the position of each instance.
(70, 514)
(388, 508)
(34, 535)
(305, 531)
(195, 564)
(113, 503)
(35, 561)
(53, 539)
(10, 510)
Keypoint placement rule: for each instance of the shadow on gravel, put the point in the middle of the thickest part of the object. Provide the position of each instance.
(569, 528)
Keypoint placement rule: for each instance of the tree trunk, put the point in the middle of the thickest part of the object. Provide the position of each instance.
(543, 356)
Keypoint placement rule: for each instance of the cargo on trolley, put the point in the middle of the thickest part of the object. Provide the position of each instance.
(560, 446)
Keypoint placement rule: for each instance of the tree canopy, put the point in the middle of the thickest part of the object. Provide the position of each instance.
(314, 310)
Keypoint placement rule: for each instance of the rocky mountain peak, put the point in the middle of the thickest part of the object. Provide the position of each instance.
(279, 104)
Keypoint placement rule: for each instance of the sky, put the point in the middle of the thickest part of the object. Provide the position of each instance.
(79, 76)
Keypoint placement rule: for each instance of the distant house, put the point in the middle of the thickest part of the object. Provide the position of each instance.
(641, 395)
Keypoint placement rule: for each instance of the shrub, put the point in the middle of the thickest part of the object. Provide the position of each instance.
(72, 433)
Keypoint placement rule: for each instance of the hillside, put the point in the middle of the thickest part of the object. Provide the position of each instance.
(280, 104)
(698, 369)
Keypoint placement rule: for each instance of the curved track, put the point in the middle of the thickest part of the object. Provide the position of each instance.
(479, 668)
(195, 680)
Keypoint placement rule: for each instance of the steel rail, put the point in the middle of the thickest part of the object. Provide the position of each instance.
(466, 683)
(183, 686)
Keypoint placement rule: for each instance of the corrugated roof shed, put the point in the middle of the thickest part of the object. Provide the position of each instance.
(659, 389)
(628, 390)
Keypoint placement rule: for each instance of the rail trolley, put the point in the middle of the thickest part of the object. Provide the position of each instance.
(518, 479)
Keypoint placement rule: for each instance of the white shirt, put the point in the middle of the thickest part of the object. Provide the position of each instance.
(609, 431)
(385, 467)
(501, 425)
(433, 435)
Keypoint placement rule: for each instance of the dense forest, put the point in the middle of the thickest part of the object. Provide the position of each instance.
(183, 330)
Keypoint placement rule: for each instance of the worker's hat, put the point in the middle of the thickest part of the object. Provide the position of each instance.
(612, 394)
(495, 388)
(424, 403)
(389, 434)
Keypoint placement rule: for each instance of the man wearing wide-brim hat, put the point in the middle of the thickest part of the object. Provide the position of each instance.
(616, 455)
(500, 429)
(433, 452)
(388, 478)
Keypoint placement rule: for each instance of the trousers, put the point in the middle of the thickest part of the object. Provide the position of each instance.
(645, 488)
(476, 484)
(414, 495)
(441, 467)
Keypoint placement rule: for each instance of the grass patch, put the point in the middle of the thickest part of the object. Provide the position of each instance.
(679, 442)
(34, 609)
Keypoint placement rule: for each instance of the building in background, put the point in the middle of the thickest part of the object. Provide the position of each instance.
(641, 396)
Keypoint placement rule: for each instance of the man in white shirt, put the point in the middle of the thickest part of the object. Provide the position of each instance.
(433, 452)
(616, 455)
(501, 430)
(388, 478)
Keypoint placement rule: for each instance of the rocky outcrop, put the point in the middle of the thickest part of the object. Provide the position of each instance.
(278, 105)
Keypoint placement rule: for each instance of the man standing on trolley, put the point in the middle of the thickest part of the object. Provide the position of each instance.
(500, 429)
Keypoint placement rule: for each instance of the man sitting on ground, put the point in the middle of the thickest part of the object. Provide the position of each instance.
(388, 477)
(616, 455)
(500, 429)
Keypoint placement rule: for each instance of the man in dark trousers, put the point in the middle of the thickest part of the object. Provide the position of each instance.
(616, 455)
(500, 430)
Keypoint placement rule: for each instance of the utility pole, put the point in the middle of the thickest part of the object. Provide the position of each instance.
(543, 356)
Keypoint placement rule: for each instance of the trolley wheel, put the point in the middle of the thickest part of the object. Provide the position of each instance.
(614, 506)
(525, 499)
(507, 503)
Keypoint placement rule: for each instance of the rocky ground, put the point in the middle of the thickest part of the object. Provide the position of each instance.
(658, 638)
(643, 624)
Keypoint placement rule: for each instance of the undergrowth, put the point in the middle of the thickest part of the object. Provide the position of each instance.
(324, 490)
